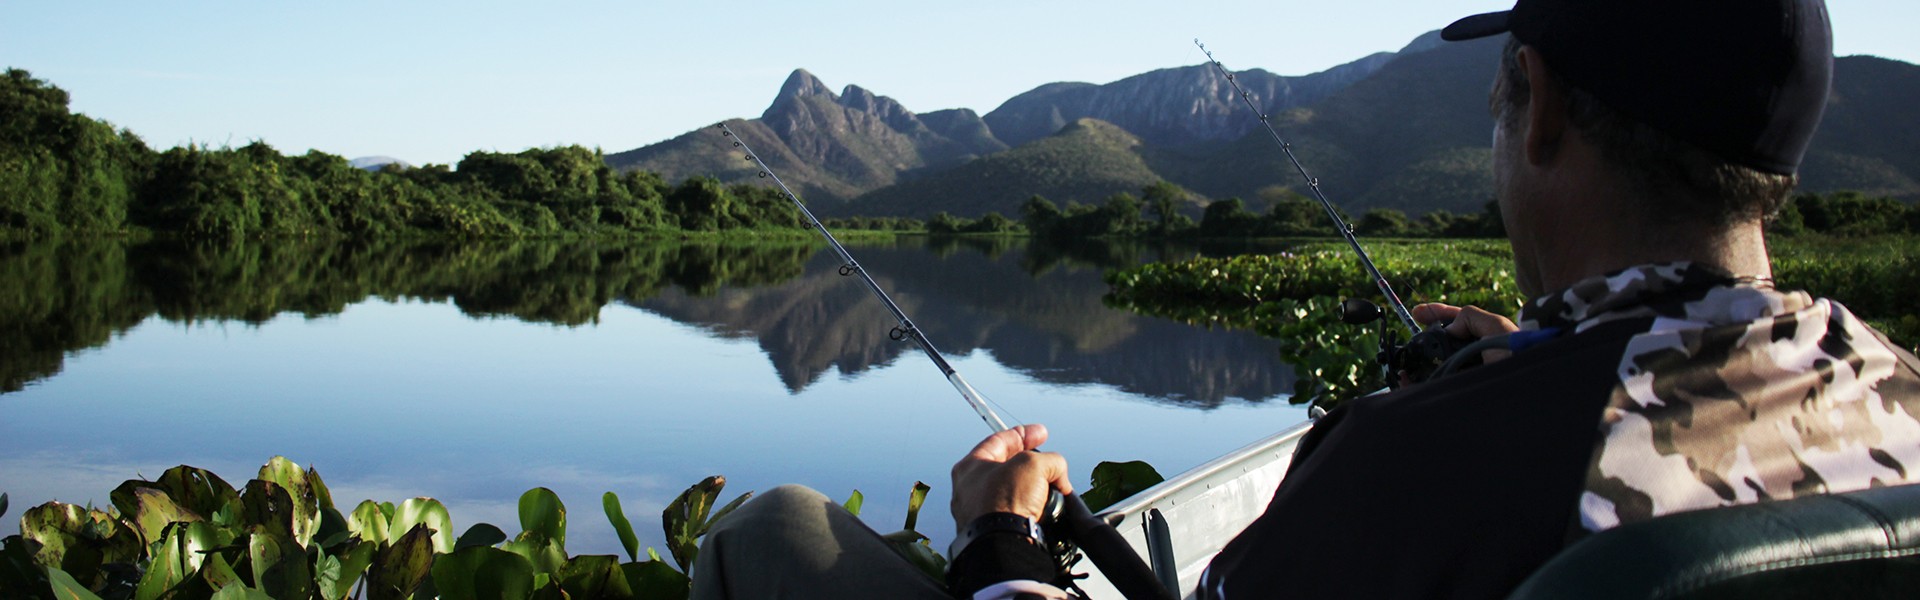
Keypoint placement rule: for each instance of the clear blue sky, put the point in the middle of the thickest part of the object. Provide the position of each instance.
(429, 81)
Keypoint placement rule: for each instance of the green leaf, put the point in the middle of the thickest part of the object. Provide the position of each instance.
(149, 508)
(655, 580)
(594, 576)
(333, 529)
(3, 504)
(174, 560)
(480, 534)
(1115, 481)
(197, 490)
(542, 514)
(914, 500)
(218, 573)
(79, 540)
(321, 495)
(268, 507)
(305, 518)
(66, 588)
(398, 569)
(369, 523)
(353, 564)
(855, 501)
(279, 566)
(685, 519)
(424, 511)
(914, 547)
(546, 557)
(621, 526)
(482, 572)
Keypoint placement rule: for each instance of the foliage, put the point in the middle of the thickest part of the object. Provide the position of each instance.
(1845, 214)
(62, 172)
(1115, 481)
(191, 535)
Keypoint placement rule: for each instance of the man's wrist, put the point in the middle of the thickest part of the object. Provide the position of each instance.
(992, 523)
(995, 548)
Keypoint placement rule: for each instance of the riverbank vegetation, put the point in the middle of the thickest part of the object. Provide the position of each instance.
(189, 535)
(66, 173)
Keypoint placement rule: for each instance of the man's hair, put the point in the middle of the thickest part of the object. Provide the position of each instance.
(1678, 180)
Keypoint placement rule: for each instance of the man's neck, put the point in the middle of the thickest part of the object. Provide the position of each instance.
(1740, 250)
(1594, 230)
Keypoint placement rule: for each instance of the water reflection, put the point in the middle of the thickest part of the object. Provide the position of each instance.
(1034, 308)
(589, 366)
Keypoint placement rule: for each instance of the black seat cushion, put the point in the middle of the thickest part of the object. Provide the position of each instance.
(1863, 544)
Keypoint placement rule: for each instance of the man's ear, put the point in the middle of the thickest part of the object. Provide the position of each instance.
(1546, 107)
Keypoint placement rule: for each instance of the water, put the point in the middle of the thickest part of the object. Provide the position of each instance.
(473, 372)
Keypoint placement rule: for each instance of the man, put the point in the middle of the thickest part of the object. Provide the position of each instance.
(1638, 146)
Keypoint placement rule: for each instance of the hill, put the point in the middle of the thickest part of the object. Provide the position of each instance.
(1087, 161)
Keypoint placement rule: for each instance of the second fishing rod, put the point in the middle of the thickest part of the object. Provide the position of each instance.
(1426, 352)
(1067, 515)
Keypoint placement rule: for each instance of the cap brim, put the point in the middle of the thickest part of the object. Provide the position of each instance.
(1476, 26)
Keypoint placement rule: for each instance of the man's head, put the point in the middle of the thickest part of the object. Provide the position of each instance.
(1698, 111)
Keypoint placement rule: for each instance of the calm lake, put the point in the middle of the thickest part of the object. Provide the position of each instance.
(471, 372)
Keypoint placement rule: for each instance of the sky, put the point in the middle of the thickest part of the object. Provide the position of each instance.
(429, 81)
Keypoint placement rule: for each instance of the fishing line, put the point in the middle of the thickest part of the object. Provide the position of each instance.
(1346, 230)
(905, 330)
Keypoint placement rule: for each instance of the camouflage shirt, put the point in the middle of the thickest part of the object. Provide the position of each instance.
(1736, 393)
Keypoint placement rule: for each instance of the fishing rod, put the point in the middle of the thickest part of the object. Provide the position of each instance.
(1313, 183)
(1426, 351)
(849, 266)
(1067, 518)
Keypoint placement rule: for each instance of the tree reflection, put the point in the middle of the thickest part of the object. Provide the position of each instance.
(1035, 308)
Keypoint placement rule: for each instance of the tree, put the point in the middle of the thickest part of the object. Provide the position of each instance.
(1384, 222)
(1164, 199)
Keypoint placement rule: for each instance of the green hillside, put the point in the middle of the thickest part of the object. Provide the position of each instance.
(1086, 161)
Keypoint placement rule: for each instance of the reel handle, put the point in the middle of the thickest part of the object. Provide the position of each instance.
(1069, 518)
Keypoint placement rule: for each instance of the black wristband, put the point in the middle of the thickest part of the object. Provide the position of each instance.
(997, 522)
(996, 557)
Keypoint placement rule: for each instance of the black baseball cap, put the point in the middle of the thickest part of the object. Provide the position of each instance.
(1744, 79)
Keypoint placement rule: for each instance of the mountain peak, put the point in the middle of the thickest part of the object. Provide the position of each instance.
(802, 84)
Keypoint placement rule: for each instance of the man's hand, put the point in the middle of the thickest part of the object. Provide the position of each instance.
(1468, 323)
(1001, 475)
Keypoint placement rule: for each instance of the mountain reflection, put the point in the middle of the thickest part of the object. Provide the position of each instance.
(1035, 309)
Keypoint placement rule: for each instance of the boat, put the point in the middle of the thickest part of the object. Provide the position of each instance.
(1861, 544)
(1201, 509)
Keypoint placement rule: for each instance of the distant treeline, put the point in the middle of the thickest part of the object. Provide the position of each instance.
(62, 172)
(1156, 214)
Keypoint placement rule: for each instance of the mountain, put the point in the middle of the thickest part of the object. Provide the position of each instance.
(829, 147)
(1407, 130)
(375, 163)
(1869, 139)
(1171, 107)
(1087, 161)
(1413, 136)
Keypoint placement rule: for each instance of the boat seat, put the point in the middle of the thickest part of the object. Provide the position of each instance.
(1863, 544)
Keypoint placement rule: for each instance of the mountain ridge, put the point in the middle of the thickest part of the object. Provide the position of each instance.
(1405, 130)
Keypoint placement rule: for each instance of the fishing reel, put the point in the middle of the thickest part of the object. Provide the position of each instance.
(1407, 363)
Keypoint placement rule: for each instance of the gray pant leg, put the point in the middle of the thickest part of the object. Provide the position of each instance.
(793, 542)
